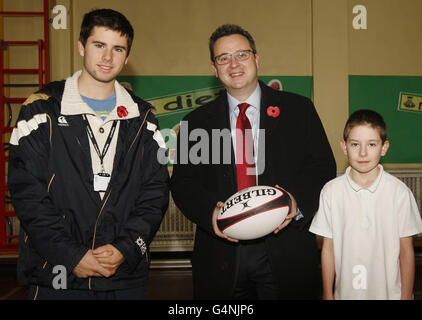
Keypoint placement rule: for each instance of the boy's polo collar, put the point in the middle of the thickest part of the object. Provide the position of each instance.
(356, 187)
(72, 103)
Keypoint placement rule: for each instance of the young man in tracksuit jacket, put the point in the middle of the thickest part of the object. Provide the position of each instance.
(90, 193)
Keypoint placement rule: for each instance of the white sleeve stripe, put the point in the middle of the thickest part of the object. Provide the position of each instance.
(24, 128)
(157, 134)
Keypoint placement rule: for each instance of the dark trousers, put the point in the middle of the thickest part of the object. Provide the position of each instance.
(254, 275)
(43, 293)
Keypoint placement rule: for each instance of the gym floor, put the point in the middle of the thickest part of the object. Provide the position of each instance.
(164, 283)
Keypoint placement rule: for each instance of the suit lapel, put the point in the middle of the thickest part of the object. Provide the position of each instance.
(269, 125)
(219, 114)
(220, 119)
(267, 100)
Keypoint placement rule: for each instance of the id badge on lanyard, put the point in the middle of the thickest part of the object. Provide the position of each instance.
(102, 179)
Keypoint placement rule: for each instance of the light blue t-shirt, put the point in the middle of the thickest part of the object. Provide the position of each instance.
(101, 107)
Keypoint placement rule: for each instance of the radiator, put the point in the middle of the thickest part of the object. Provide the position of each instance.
(177, 232)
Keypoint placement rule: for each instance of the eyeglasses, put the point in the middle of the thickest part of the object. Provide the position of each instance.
(240, 55)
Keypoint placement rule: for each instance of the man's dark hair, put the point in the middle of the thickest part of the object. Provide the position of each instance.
(228, 30)
(366, 117)
(109, 19)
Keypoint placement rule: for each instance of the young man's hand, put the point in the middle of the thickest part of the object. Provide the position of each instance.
(109, 257)
(89, 266)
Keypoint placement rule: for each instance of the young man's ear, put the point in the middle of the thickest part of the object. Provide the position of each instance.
(343, 146)
(385, 147)
(81, 48)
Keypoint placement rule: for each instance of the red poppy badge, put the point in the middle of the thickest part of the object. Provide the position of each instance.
(273, 111)
(122, 111)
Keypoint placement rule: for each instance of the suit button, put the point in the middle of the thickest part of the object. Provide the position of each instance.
(101, 130)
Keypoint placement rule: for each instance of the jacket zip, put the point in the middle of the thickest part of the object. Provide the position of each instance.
(95, 230)
(108, 195)
(51, 181)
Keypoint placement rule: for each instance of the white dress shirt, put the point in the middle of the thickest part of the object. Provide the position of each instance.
(253, 114)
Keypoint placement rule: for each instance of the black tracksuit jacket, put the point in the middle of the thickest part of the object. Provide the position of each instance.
(51, 183)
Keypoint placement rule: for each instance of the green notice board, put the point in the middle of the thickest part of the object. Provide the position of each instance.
(399, 100)
(176, 96)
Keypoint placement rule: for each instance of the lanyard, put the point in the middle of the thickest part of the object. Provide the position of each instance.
(101, 155)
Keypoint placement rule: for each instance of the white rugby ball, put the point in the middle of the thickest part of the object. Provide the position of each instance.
(253, 212)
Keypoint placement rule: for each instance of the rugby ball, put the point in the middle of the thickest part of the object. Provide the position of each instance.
(253, 212)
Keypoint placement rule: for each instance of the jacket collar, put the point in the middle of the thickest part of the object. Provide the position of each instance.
(72, 103)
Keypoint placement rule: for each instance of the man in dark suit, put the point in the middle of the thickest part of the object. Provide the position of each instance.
(290, 150)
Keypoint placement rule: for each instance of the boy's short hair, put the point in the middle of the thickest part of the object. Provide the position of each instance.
(110, 19)
(228, 30)
(366, 117)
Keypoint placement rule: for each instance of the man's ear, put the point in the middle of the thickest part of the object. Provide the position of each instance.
(214, 68)
(81, 48)
(385, 147)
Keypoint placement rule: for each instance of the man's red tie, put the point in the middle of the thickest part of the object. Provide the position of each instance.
(245, 161)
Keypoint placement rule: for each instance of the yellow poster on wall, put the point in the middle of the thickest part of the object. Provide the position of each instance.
(410, 102)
